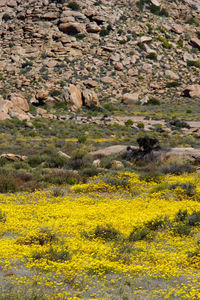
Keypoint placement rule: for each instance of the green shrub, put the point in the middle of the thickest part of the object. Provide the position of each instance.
(82, 139)
(106, 233)
(52, 253)
(80, 36)
(173, 84)
(62, 177)
(138, 233)
(42, 237)
(153, 101)
(109, 106)
(152, 56)
(194, 218)
(177, 168)
(58, 192)
(6, 17)
(193, 63)
(150, 28)
(2, 216)
(181, 229)
(157, 223)
(181, 215)
(128, 123)
(104, 32)
(140, 125)
(167, 45)
(8, 184)
(189, 188)
(74, 6)
(55, 93)
(179, 124)
(180, 43)
(154, 176)
(192, 21)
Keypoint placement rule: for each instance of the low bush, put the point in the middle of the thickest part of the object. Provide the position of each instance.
(189, 188)
(172, 84)
(179, 124)
(8, 184)
(153, 101)
(106, 233)
(52, 253)
(181, 229)
(177, 168)
(62, 177)
(42, 237)
(138, 233)
(73, 5)
(152, 56)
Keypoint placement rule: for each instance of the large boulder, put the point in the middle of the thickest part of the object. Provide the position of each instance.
(130, 99)
(19, 101)
(75, 98)
(13, 157)
(71, 28)
(192, 91)
(90, 98)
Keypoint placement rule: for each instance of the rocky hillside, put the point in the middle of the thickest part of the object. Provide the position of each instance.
(66, 54)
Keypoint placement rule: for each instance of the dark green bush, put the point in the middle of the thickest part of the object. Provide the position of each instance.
(177, 168)
(82, 139)
(8, 184)
(62, 177)
(179, 124)
(55, 93)
(138, 233)
(173, 84)
(106, 233)
(193, 63)
(74, 6)
(157, 223)
(6, 17)
(181, 229)
(189, 188)
(153, 101)
(152, 56)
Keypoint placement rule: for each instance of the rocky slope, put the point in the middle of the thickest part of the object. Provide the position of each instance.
(69, 54)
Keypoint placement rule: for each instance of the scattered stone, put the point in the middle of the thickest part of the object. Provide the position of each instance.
(116, 164)
(171, 75)
(64, 154)
(96, 163)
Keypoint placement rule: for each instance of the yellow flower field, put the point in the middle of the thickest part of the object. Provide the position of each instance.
(119, 238)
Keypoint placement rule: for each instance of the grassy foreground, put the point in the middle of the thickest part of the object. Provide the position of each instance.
(116, 237)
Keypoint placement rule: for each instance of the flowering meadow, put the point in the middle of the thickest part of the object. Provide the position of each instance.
(119, 236)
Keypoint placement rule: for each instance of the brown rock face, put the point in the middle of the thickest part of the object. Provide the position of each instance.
(192, 91)
(75, 101)
(70, 28)
(90, 98)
